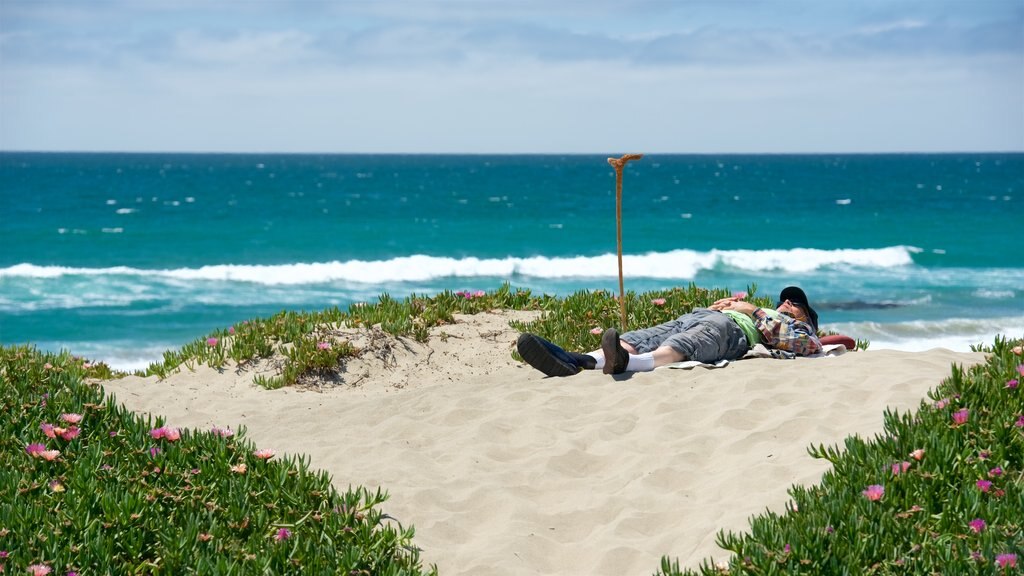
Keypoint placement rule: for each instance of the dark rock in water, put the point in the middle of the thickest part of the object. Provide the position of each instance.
(857, 305)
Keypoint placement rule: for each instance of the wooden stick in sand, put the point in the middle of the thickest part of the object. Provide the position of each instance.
(619, 164)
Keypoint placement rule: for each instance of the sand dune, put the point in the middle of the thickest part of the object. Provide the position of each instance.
(503, 471)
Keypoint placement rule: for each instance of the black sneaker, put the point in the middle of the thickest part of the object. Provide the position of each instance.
(615, 356)
(546, 356)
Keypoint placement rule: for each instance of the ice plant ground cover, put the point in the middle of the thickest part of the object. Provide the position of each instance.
(128, 495)
(941, 491)
(87, 487)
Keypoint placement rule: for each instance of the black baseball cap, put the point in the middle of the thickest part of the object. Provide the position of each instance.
(795, 295)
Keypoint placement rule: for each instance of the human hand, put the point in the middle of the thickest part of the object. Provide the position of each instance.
(726, 303)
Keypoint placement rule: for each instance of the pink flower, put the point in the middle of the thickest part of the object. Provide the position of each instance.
(264, 453)
(874, 492)
(1006, 560)
(323, 345)
(222, 432)
(157, 433)
(211, 341)
(239, 468)
(984, 485)
(71, 418)
(35, 449)
(48, 429)
(1011, 384)
(995, 472)
(917, 454)
(283, 534)
(71, 433)
(960, 416)
(1020, 369)
(56, 486)
(231, 330)
(900, 467)
(977, 525)
(658, 301)
(1020, 421)
(739, 295)
(1018, 350)
(49, 455)
(942, 404)
(39, 570)
(172, 434)
(154, 451)
(597, 330)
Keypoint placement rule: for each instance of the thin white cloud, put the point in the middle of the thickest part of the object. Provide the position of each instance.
(518, 77)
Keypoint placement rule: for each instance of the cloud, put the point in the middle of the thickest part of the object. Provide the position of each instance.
(511, 76)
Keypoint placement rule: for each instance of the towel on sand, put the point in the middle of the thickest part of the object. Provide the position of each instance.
(759, 351)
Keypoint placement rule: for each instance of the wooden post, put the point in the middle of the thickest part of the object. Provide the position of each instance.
(619, 164)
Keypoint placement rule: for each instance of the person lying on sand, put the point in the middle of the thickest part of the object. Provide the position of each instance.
(726, 330)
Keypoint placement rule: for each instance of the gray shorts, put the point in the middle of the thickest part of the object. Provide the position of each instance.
(703, 335)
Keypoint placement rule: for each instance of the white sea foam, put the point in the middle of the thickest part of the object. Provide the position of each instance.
(676, 264)
(957, 334)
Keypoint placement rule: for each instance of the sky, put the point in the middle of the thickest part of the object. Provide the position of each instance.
(512, 76)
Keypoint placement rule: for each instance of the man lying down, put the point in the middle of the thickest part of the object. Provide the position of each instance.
(726, 330)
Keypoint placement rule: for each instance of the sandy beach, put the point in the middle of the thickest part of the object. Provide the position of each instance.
(505, 472)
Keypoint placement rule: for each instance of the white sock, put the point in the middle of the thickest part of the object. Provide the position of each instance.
(641, 362)
(599, 356)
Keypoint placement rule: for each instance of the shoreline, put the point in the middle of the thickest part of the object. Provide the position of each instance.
(504, 471)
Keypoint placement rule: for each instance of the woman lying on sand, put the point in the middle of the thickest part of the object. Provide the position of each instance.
(726, 330)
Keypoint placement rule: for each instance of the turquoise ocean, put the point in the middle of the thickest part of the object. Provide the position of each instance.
(118, 257)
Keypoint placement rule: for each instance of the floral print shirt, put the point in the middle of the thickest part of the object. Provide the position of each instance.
(780, 332)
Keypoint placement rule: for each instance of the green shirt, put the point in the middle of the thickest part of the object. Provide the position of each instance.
(746, 323)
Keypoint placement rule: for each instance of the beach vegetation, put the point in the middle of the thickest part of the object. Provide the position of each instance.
(87, 487)
(939, 491)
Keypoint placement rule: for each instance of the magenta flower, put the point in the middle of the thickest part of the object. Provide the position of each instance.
(658, 301)
(1020, 421)
(71, 418)
(977, 525)
(1012, 384)
(211, 341)
(283, 534)
(874, 492)
(995, 472)
(154, 451)
(39, 570)
(960, 416)
(984, 485)
(900, 467)
(34, 449)
(1006, 560)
